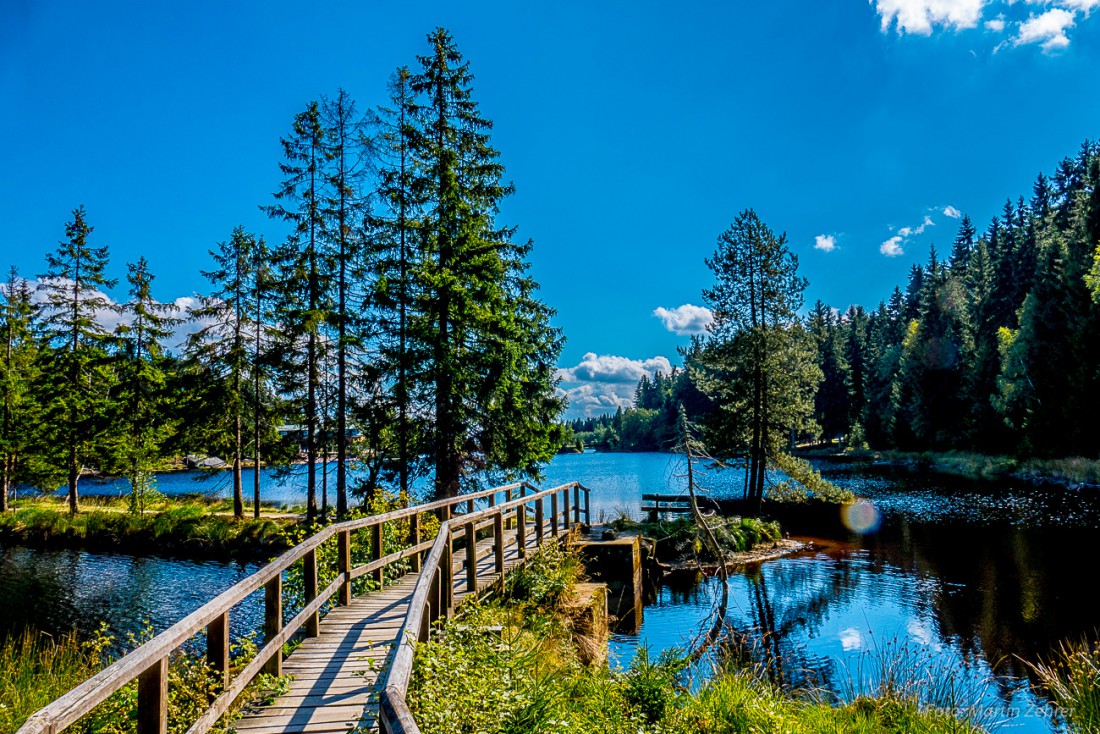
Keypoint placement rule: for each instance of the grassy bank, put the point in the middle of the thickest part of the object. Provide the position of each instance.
(679, 538)
(510, 664)
(177, 527)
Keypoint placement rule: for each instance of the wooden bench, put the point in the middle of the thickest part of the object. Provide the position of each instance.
(674, 504)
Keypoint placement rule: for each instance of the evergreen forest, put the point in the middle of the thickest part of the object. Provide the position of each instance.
(992, 346)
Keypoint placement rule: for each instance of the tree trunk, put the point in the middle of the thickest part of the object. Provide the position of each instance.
(74, 477)
(238, 485)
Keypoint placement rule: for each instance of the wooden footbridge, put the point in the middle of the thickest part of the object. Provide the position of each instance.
(354, 663)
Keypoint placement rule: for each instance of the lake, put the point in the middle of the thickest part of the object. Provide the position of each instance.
(974, 578)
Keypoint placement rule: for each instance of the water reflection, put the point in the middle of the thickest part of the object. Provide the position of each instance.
(59, 591)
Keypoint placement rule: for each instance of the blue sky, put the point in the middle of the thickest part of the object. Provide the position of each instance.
(634, 133)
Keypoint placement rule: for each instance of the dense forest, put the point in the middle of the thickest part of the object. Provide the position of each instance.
(993, 346)
(396, 324)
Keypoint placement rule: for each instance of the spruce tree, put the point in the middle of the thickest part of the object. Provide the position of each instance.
(222, 346)
(141, 423)
(77, 376)
(17, 376)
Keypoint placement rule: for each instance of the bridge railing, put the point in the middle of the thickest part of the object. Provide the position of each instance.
(148, 664)
(432, 597)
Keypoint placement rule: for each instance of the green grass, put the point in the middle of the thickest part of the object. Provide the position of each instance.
(36, 668)
(1070, 470)
(179, 528)
(679, 537)
(509, 665)
(1072, 678)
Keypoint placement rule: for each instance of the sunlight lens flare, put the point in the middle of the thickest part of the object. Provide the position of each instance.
(861, 517)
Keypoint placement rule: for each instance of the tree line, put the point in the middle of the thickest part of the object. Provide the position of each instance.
(992, 349)
(398, 312)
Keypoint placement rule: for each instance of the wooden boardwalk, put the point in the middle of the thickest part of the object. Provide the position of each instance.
(336, 675)
(353, 668)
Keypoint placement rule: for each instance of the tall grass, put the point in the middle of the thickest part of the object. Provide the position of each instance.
(1072, 677)
(36, 668)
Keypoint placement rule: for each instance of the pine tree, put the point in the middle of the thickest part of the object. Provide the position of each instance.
(491, 376)
(398, 260)
(222, 346)
(77, 374)
(350, 157)
(142, 424)
(304, 275)
(17, 376)
(760, 362)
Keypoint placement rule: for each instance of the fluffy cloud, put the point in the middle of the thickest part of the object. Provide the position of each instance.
(950, 211)
(997, 25)
(686, 319)
(918, 17)
(825, 242)
(603, 383)
(919, 229)
(1048, 30)
(892, 247)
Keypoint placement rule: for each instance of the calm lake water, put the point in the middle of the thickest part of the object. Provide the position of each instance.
(969, 577)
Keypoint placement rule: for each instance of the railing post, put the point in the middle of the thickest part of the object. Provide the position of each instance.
(566, 521)
(498, 541)
(507, 499)
(554, 514)
(309, 580)
(273, 621)
(344, 553)
(539, 521)
(587, 506)
(576, 503)
(217, 648)
(521, 530)
(469, 507)
(471, 558)
(414, 539)
(153, 699)
(377, 548)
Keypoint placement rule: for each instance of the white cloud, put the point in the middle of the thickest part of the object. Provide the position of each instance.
(1085, 6)
(910, 231)
(603, 383)
(997, 25)
(825, 242)
(686, 319)
(918, 17)
(892, 247)
(851, 639)
(950, 211)
(1048, 30)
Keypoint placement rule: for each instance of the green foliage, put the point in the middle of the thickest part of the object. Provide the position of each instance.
(680, 537)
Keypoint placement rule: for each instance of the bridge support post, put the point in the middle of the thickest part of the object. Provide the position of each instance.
(576, 503)
(498, 542)
(471, 557)
(539, 521)
(414, 539)
(566, 520)
(217, 649)
(153, 699)
(343, 546)
(309, 581)
(448, 581)
(587, 506)
(554, 514)
(521, 530)
(273, 621)
(376, 546)
(508, 498)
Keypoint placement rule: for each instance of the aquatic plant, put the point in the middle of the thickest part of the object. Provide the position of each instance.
(1072, 677)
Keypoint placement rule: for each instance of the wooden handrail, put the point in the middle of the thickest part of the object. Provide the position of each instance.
(148, 663)
(394, 715)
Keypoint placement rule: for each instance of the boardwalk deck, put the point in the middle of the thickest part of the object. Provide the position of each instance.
(335, 682)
